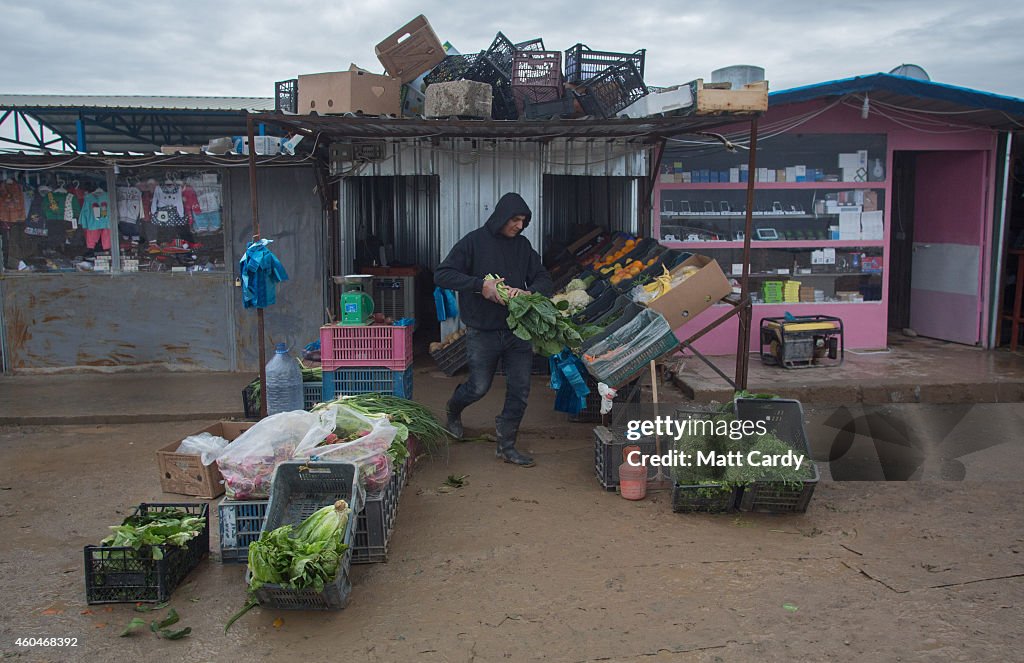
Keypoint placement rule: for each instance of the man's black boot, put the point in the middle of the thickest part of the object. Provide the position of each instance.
(507, 450)
(454, 425)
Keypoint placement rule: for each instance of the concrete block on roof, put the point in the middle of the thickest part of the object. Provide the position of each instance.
(459, 99)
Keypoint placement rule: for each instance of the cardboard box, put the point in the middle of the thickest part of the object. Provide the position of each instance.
(181, 149)
(185, 474)
(264, 144)
(411, 50)
(697, 293)
(352, 91)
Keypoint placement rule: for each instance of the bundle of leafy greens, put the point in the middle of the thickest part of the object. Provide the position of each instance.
(155, 528)
(537, 319)
(302, 557)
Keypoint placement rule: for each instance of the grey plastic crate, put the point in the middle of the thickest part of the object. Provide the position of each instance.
(240, 524)
(608, 446)
(300, 488)
(376, 522)
(785, 419)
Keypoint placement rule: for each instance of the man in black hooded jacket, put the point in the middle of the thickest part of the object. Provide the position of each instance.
(499, 248)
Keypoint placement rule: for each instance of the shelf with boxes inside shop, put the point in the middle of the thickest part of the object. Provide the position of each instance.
(808, 274)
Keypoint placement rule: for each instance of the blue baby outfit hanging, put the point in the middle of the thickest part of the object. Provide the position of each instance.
(261, 271)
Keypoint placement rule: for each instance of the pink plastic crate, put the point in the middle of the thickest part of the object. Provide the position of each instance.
(382, 346)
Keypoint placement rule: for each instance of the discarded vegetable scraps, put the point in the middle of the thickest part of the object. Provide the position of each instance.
(160, 628)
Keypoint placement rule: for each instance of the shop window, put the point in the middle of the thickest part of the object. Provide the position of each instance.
(48, 220)
(170, 221)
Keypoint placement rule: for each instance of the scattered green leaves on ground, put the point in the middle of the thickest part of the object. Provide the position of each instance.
(456, 480)
(159, 627)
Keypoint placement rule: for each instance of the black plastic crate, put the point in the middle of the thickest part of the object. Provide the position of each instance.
(452, 68)
(707, 498)
(376, 521)
(602, 304)
(531, 45)
(785, 419)
(548, 110)
(299, 489)
(563, 280)
(453, 358)
(591, 413)
(125, 575)
(311, 395)
(581, 62)
(612, 90)
(618, 307)
(500, 53)
(286, 96)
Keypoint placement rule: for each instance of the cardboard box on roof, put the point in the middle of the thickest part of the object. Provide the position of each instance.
(185, 474)
(411, 50)
(352, 91)
(694, 295)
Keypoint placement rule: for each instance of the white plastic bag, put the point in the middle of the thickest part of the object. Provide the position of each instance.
(207, 445)
(359, 439)
(248, 463)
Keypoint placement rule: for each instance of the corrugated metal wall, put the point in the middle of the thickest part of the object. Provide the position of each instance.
(179, 321)
(473, 174)
(290, 214)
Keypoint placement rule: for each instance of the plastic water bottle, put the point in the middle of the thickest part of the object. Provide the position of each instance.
(284, 382)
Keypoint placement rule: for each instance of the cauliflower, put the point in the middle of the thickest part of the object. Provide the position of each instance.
(578, 299)
(575, 284)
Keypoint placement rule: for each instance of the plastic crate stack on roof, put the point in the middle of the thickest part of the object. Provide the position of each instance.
(526, 79)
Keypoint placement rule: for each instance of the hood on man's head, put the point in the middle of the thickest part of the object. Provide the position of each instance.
(511, 204)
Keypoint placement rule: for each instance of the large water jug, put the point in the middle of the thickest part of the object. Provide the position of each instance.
(284, 382)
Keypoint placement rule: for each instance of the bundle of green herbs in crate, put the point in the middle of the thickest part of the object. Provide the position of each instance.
(719, 461)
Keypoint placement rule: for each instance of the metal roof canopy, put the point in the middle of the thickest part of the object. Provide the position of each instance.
(654, 130)
(958, 104)
(648, 130)
(31, 161)
(132, 123)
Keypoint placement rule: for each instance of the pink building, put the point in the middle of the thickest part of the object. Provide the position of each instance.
(879, 199)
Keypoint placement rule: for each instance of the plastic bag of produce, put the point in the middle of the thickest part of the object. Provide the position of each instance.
(248, 463)
(206, 445)
(623, 347)
(355, 438)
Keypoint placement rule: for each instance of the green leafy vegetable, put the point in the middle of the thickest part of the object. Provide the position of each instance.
(306, 556)
(158, 628)
(154, 529)
(409, 417)
(537, 319)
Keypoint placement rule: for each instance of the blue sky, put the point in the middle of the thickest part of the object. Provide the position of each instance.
(231, 47)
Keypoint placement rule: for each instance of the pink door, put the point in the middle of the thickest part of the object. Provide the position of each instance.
(949, 223)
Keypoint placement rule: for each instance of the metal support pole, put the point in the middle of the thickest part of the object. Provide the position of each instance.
(745, 314)
(260, 328)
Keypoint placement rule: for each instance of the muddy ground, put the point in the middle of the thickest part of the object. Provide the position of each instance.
(540, 564)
